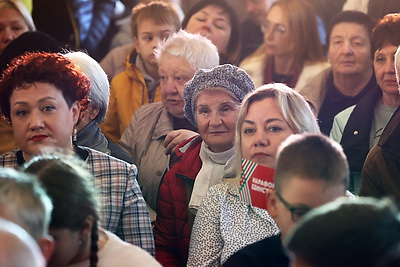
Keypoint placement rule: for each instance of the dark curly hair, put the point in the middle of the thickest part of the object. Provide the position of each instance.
(46, 68)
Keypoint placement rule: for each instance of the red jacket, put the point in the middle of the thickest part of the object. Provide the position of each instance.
(171, 228)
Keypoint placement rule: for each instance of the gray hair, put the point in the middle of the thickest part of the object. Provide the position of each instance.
(195, 49)
(21, 8)
(22, 196)
(99, 85)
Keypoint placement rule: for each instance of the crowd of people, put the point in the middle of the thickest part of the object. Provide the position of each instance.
(132, 155)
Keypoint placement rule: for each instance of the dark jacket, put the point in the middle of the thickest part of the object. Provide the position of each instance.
(356, 134)
(172, 230)
(381, 171)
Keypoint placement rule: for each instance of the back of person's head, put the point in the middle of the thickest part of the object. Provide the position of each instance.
(311, 156)
(46, 68)
(21, 8)
(99, 85)
(28, 42)
(386, 31)
(351, 16)
(17, 247)
(160, 12)
(233, 50)
(294, 108)
(70, 187)
(197, 50)
(346, 233)
(24, 202)
(303, 30)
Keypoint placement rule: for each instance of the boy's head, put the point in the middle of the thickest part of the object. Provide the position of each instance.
(362, 232)
(311, 170)
(151, 24)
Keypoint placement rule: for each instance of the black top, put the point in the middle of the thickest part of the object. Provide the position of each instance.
(356, 146)
(266, 252)
(335, 102)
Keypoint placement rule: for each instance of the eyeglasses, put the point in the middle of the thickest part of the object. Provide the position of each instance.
(296, 211)
(276, 28)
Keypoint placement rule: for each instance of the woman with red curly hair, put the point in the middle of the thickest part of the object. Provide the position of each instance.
(42, 95)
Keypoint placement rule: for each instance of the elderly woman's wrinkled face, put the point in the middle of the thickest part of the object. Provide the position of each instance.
(12, 25)
(214, 23)
(41, 118)
(174, 73)
(264, 128)
(216, 113)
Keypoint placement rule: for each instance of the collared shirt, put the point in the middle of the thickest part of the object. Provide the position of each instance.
(122, 207)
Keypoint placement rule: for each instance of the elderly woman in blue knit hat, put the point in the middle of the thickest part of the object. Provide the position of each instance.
(212, 100)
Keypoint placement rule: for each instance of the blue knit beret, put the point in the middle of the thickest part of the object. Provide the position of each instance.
(227, 76)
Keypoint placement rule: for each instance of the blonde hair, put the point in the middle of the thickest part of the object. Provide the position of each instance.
(20, 7)
(295, 110)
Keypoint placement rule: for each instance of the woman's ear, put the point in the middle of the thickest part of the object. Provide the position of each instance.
(76, 110)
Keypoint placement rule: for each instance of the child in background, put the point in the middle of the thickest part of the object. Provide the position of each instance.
(138, 83)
